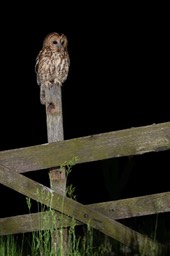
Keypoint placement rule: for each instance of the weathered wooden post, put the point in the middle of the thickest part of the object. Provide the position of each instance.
(55, 133)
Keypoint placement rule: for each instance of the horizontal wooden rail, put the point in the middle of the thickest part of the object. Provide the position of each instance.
(133, 141)
(77, 211)
(119, 209)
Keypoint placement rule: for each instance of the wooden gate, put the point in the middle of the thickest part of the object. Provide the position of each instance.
(101, 216)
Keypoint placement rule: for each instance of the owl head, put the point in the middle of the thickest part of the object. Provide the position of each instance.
(56, 42)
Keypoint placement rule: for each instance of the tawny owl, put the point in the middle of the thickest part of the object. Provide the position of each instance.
(52, 62)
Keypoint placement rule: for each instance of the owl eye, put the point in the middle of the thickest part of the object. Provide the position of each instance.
(54, 42)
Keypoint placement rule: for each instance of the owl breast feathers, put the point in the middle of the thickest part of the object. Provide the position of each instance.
(52, 62)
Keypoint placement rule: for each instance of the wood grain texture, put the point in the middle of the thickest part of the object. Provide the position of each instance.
(133, 141)
(135, 207)
(119, 209)
(54, 116)
(82, 213)
(57, 176)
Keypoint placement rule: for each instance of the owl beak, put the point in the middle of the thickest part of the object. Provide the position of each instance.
(59, 45)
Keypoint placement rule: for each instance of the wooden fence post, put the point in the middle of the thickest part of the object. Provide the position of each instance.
(55, 133)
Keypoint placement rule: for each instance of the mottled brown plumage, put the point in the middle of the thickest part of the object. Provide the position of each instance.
(52, 62)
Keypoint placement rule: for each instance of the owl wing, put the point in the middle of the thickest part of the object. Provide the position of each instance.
(38, 63)
(37, 68)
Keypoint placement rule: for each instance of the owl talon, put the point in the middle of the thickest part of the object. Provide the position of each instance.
(57, 82)
(48, 84)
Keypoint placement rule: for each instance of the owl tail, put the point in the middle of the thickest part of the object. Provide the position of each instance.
(42, 94)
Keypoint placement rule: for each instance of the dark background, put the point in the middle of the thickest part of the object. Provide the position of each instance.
(118, 79)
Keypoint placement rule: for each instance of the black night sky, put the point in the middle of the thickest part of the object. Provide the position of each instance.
(118, 79)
